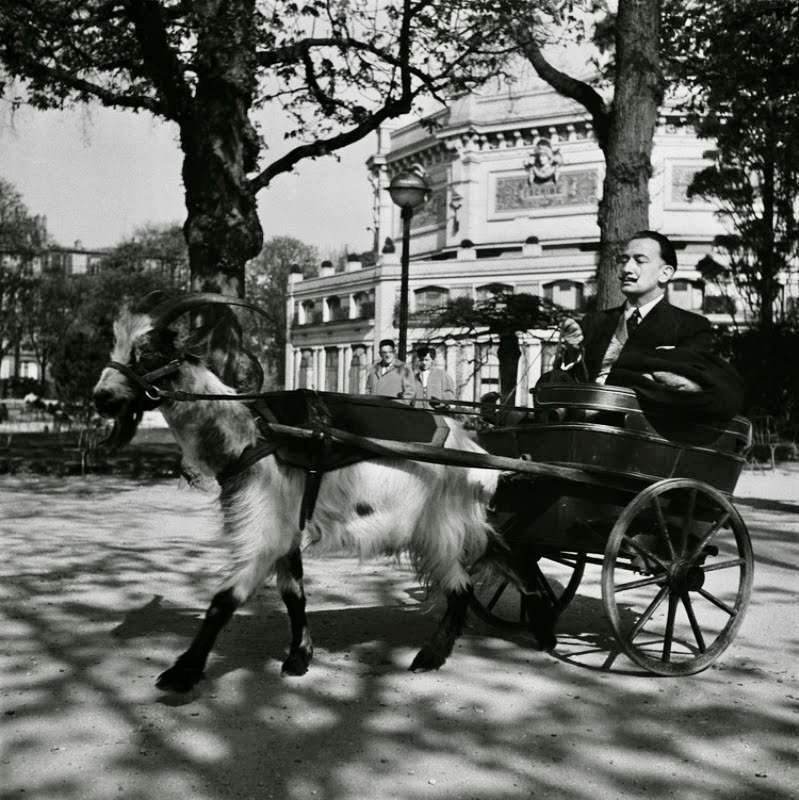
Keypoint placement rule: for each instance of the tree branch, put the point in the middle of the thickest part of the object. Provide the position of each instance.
(572, 88)
(108, 97)
(159, 59)
(323, 147)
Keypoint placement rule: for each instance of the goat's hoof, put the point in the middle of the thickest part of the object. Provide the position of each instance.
(179, 678)
(428, 658)
(297, 663)
(545, 637)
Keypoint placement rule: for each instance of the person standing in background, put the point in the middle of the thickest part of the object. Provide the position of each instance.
(431, 382)
(389, 377)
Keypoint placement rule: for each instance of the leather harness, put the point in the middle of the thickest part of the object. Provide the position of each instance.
(315, 455)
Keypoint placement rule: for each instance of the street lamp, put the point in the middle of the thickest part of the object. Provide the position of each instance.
(408, 190)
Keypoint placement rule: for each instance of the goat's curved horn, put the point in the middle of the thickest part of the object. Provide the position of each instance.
(167, 312)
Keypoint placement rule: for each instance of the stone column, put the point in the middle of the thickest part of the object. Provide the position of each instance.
(343, 365)
(319, 369)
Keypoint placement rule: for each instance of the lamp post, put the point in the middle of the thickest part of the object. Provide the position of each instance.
(408, 190)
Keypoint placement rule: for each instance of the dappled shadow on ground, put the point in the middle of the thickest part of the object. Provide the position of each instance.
(102, 589)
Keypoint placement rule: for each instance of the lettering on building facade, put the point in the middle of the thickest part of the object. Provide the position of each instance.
(576, 188)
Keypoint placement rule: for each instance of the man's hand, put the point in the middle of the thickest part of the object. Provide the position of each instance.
(674, 381)
(570, 332)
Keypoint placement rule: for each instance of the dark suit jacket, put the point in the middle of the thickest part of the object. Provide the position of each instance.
(668, 339)
(665, 326)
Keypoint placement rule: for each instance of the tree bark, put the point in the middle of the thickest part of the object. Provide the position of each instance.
(508, 354)
(624, 208)
(221, 148)
(624, 132)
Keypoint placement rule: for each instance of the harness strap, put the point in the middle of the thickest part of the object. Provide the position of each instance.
(249, 456)
(145, 381)
(255, 452)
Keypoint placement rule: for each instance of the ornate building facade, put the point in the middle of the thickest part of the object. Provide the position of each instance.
(516, 177)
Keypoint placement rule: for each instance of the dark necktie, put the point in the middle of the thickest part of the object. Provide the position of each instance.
(633, 322)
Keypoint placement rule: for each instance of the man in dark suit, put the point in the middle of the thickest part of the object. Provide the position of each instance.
(664, 352)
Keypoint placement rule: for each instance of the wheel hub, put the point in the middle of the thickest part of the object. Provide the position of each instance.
(686, 578)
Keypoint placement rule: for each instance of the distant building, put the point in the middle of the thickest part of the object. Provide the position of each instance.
(77, 260)
(516, 177)
(20, 363)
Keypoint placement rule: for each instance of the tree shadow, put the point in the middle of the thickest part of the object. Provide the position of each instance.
(499, 721)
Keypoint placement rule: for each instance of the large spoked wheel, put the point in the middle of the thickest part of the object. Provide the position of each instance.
(677, 576)
(498, 597)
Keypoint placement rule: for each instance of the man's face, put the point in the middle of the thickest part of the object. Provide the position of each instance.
(386, 355)
(642, 271)
(425, 362)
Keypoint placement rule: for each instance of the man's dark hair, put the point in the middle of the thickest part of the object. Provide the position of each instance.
(387, 343)
(667, 251)
(423, 351)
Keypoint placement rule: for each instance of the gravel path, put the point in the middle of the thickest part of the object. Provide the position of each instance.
(103, 580)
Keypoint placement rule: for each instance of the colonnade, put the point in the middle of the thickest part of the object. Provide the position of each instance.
(472, 365)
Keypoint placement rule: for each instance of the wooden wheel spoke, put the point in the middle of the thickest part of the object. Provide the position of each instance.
(689, 610)
(567, 561)
(715, 528)
(645, 552)
(688, 521)
(650, 581)
(717, 602)
(663, 525)
(497, 594)
(650, 610)
(733, 562)
(668, 637)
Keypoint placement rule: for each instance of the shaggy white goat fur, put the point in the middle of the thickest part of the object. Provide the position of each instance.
(436, 513)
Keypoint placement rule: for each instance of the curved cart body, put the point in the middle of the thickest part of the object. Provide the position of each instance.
(675, 554)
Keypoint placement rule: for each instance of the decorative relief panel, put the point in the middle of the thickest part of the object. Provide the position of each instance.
(433, 212)
(681, 177)
(578, 188)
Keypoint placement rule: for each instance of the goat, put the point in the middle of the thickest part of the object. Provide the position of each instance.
(435, 512)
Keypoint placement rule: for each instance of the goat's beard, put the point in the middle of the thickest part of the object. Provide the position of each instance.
(125, 426)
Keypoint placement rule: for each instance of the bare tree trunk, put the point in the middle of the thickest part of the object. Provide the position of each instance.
(508, 354)
(624, 208)
(221, 148)
(624, 132)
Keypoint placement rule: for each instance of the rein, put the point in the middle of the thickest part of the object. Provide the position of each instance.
(154, 393)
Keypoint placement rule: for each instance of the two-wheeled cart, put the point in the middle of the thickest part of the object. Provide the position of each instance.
(589, 477)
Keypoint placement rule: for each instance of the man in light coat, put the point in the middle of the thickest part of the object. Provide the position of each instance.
(389, 377)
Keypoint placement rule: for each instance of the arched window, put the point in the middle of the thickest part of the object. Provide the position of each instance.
(487, 371)
(686, 294)
(331, 369)
(565, 293)
(306, 369)
(336, 308)
(489, 290)
(308, 312)
(364, 304)
(358, 365)
(431, 297)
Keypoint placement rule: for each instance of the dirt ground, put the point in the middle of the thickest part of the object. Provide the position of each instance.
(104, 579)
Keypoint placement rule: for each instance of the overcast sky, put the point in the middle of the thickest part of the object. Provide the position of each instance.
(99, 174)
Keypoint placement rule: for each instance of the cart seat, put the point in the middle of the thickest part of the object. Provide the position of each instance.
(604, 427)
(378, 417)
